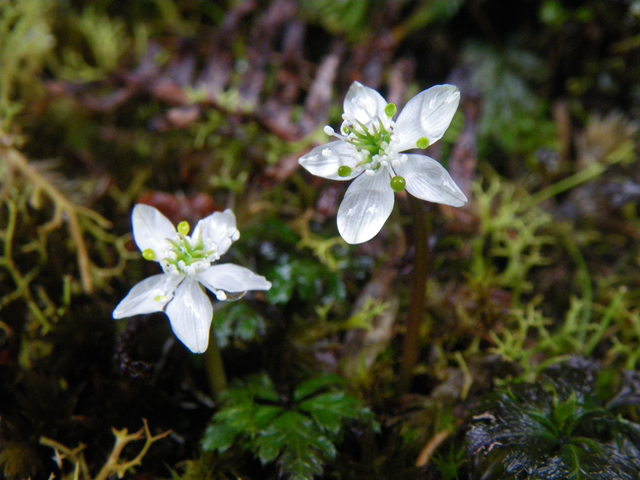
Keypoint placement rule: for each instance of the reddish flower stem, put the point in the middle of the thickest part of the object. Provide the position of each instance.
(411, 344)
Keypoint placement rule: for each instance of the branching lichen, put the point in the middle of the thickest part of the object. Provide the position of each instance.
(27, 189)
(114, 465)
(510, 229)
(321, 247)
(532, 342)
(77, 217)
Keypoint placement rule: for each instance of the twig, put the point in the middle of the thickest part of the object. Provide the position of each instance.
(431, 446)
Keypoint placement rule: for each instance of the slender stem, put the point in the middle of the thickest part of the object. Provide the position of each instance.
(215, 367)
(411, 345)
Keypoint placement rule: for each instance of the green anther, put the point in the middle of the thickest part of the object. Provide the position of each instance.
(184, 227)
(344, 171)
(390, 110)
(148, 254)
(423, 143)
(398, 184)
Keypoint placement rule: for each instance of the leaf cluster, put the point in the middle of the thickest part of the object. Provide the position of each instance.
(565, 426)
(513, 116)
(299, 432)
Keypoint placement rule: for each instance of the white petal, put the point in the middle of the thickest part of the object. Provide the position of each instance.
(324, 160)
(218, 231)
(428, 180)
(232, 278)
(150, 295)
(190, 313)
(428, 115)
(365, 105)
(151, 228)
(366, 206)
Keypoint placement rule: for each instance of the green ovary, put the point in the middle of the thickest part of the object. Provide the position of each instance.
(185, 253)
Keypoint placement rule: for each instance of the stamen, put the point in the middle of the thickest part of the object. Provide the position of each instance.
(184, 227)
(390, 110)
(328, 130)
(344, 171)
(398, 184)
(148, 254)
(423, 143)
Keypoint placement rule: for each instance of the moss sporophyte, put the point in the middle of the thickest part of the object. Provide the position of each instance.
(187, 262)
(369, 150)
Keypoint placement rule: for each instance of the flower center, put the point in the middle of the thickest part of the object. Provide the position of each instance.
(185, 255)
(374, 144)
(188, 256)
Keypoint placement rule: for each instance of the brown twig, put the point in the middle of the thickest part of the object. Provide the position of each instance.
(427, 452)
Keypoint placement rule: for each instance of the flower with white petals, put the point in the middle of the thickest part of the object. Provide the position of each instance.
(369, 150)
(187, 264)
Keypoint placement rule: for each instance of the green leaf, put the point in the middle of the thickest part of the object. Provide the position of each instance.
(301, 445)
(317, 383)
(330, 410)
(309, 280)
(219, 437)
(237, 321)
(299, 436)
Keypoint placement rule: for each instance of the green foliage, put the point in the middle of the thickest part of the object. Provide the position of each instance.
(237, 321)
(101, 44)
(298, 432)
(26, 40)
(577, 334)
(298, 276)
(34, 198)
(347, 17)
(512, 114)
(564, 427)
(510, 229)
(432, 11)
(450, 462)
(307, 280)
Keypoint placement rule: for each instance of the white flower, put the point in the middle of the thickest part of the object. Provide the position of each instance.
(186, 261)
(369, 149)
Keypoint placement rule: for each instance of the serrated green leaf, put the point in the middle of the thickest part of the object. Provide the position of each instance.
(262, 387)
(298, 441)
(301, 468)
(219, 437)
(317, 383)
(239, 417)
(299, 437)
(329, 410)
(266, 414)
